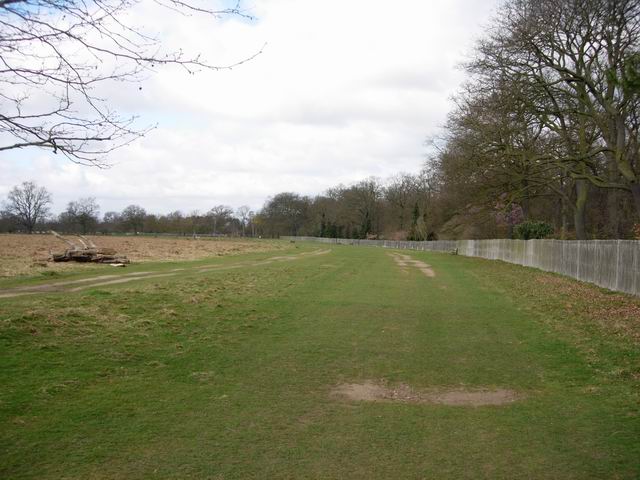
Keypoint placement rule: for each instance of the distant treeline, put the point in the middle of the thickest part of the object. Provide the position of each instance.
(429, 206)
(27, 210)
(423, 206)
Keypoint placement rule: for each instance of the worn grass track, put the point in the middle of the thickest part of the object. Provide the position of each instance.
(229, 374)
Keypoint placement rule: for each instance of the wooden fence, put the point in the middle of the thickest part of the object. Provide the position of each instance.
(612, 264)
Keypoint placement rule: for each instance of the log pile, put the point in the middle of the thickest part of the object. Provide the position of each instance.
(86, 251)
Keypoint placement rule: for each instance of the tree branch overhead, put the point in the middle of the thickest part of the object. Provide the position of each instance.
(54, 56)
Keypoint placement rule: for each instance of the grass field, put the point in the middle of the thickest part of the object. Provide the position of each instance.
(242, 367)
(28, 254)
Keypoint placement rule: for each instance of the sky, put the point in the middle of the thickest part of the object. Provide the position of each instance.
(342, 91)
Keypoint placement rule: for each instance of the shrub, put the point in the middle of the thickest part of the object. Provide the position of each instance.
(529, 230)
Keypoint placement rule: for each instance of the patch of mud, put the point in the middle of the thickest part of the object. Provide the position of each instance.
(404, 261)
(375, 392)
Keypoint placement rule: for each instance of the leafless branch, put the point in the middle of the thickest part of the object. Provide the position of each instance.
(54, 54)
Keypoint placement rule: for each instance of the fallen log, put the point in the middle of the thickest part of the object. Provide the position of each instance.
(88, 252)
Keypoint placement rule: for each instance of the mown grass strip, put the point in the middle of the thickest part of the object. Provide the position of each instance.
(230, 374)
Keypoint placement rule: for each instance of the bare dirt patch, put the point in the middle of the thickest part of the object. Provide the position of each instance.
(370, 391)
(404, 261)
(28, 254)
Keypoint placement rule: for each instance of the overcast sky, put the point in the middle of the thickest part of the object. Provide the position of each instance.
(343, 90)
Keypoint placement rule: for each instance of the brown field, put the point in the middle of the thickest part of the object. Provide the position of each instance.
(28, 254)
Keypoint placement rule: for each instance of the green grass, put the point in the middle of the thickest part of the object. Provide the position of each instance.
(228, 374)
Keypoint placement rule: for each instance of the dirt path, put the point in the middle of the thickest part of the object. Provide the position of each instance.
(404, 261)
(104, 280)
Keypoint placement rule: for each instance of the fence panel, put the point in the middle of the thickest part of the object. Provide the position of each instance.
(612, 264)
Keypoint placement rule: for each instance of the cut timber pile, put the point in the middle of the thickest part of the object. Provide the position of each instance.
(86, 252)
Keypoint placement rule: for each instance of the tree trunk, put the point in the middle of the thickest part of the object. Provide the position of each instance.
(613, 203)
(564, 218)
(635, 191)
(525, 202)
(613, 217)
(582, 192)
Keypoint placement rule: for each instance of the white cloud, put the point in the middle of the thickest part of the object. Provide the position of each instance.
(342, 91)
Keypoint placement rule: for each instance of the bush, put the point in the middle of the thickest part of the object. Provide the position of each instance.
(529, 230)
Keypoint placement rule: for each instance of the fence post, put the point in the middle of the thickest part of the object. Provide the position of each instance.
(617, 264)
(578, 259)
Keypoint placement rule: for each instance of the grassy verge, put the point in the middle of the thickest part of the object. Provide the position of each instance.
(229, 374)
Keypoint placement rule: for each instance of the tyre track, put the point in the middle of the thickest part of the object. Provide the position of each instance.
(115, 279)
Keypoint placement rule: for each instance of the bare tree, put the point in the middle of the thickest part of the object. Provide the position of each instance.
(175, 222)
(251, 218)
(219, 215)
(84, 212)
(581, 59)
(285, 213)
(195, 220)
(133, 216)
(243, 213)
(29, 204)
(56, 55)
(363, 198)
(399, 193)
(111, 222)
